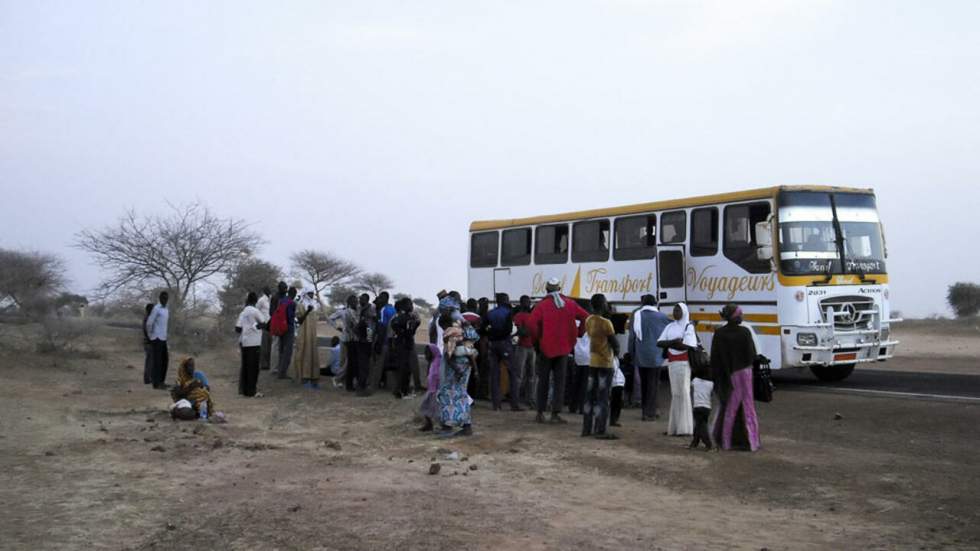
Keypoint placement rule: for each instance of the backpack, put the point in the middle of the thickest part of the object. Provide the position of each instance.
(278, 324)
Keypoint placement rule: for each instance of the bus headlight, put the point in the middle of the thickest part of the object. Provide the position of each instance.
(806, 339)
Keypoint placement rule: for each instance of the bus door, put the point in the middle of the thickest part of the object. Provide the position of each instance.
(670, 276)
(501, 282)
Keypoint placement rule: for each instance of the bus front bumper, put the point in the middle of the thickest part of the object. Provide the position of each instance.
(836, 349)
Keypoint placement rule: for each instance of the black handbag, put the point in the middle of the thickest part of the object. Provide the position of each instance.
(698, 357)
(762, 387)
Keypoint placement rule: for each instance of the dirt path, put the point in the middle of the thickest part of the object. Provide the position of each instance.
(90, 460)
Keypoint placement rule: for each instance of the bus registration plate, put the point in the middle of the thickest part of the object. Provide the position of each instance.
(845, 357)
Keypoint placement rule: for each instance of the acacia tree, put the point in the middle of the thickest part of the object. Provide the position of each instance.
(252, 274)
(373, 283)
(28, 280)
(179, 249)
(339, 293)
(964, 298)
(323, 269)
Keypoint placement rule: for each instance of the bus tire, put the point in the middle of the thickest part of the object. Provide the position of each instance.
(832, 373)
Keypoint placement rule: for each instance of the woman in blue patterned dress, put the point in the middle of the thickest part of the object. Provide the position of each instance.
(458, 362)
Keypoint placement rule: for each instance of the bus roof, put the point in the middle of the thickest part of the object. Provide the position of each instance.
(639, 208)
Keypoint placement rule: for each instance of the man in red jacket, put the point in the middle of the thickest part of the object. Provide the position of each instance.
(556, 323)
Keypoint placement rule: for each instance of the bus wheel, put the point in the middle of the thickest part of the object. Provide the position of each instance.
(832, 373)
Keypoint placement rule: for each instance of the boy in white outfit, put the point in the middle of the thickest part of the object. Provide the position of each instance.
(701, 387)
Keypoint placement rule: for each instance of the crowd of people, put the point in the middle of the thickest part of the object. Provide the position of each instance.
(559, 353)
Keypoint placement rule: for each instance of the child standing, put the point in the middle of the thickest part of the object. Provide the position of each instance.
(701, 387)
(616, 398)
(430, 405)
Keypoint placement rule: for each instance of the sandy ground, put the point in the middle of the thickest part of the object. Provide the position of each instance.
(923, 349)
(91, 460)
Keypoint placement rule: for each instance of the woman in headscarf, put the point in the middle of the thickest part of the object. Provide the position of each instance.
(678, 338)
(305, 359)
(193, 387)
(459, 360)
(732, 354)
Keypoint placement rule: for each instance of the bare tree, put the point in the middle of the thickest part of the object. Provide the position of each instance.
(323, 269)
(373, 283)
(180, 249)
(28, 280)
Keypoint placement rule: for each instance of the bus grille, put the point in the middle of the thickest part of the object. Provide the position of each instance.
(850, 313)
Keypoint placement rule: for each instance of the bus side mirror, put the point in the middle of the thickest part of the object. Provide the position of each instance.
(764, 253)
(763, 234)
(763, 240)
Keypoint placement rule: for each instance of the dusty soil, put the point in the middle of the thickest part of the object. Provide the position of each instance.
(926, 347)
(91, 460)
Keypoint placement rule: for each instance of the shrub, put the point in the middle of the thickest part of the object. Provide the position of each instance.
(964, 298)
(29, 281)
(62, 334)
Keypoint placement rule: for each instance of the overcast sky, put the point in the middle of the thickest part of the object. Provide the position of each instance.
(379, 130)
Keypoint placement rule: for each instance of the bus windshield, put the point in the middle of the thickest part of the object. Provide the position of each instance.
(808, 235)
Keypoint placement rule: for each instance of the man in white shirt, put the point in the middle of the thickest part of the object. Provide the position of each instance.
(265, 353)
(156, 331)
(339, 358)
(251, 323)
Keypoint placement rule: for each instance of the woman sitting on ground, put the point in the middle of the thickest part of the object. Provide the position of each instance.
(192, 386)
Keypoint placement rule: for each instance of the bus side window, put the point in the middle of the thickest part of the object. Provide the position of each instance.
(483, 250)
(515, 250)
(704, 232)
(673, 226)
(551, 244)
(636, 237)
(590, 241)
(671, 264)
(740, 239)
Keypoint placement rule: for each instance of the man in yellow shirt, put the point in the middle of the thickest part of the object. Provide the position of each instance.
(603, 349)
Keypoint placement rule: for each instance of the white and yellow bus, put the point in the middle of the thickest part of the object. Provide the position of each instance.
(806, 264)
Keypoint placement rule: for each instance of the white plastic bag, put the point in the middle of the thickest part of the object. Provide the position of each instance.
(179, 404)
(618, 378)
